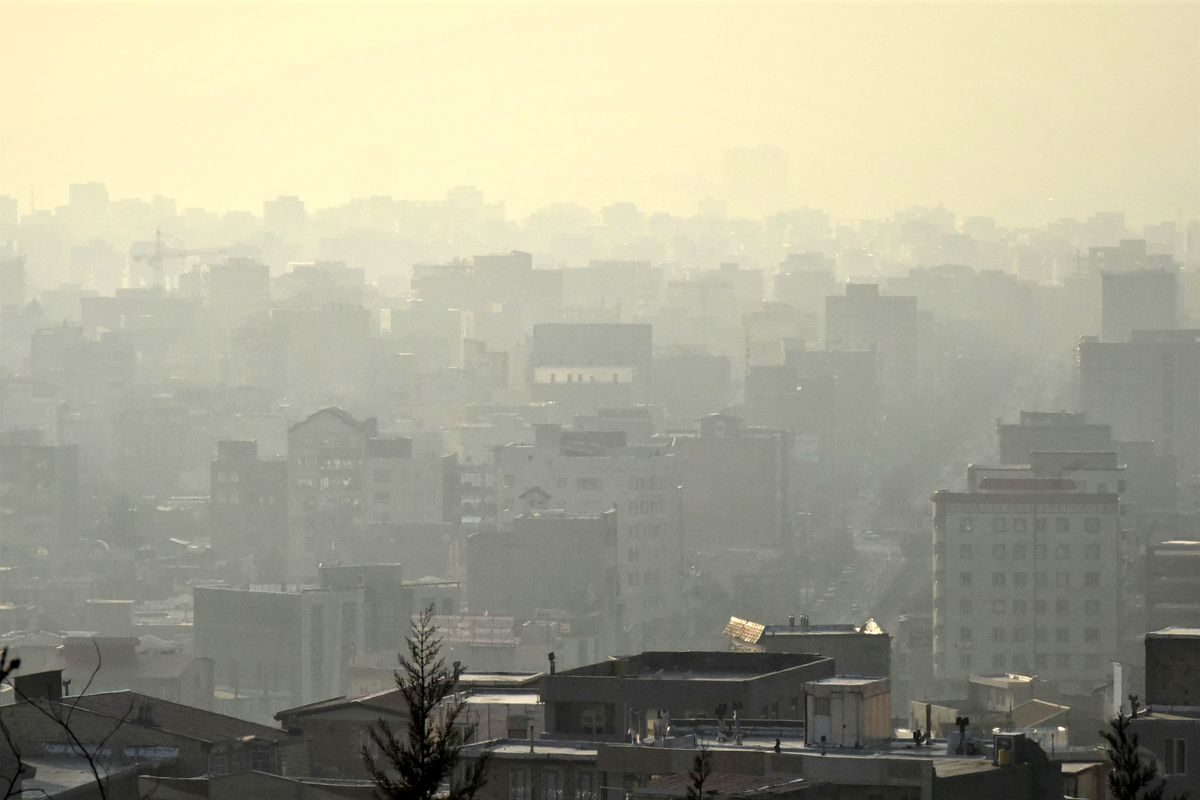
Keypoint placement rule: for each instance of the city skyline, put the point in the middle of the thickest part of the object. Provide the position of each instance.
(1003, 110)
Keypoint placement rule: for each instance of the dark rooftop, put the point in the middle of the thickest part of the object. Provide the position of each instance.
(694, 665)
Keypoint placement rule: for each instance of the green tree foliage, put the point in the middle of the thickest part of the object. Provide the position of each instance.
(1132, 774)
(414, 765)
(701, 770)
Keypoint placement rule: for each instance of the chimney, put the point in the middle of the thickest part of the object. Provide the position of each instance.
(551, 657)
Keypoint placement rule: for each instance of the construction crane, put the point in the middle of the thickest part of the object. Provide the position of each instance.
(169, 250)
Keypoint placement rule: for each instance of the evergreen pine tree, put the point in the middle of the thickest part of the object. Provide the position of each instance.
(414, 765)
(1132, 774)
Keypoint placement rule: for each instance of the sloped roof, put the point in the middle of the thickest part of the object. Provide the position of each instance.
(385, 700)
(186, 721)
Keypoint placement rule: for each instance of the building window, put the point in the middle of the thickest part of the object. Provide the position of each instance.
(1040, 660)
(964, 660)
(1018, 606)
(1018, 634)
(964, 579)
(1039, 634)
(1039, 524)
(589, 484)
(964, 605)
(1063, 580)
(1091, 634)
(1175, 756)
(1091, 551)
(966, 551)
(1062, 660)
(1039, 579)
(1020, 579)
(1062, 551)
(999, 607)
(1091, 579)
(1092, 524)
(999, 524)
(1019, 525)
(1062, 524)
(1062, 634)
(1039, 552)
(964, 634)
(998, 580)
(585, 786)
(518, 783)
(591, 719)
(997, 551)
(1091, 607)
(1039, 606)
(966, 524)
(552, 784)
(998, 661)
(998, 634)
(1018, 551)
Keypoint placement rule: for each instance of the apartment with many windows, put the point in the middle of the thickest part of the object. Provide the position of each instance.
(1026, 580)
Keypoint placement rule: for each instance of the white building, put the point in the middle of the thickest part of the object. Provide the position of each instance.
(1026, 578)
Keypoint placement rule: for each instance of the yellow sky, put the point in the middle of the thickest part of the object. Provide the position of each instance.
(987, 108)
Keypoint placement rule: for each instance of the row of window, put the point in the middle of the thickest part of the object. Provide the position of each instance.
(1062, 580)
(649, 506)
(1040, 551)
(647, 578)
(520, 785)
(1062, 634)
(1020, 605)
(1024, 524)
(1019, 662)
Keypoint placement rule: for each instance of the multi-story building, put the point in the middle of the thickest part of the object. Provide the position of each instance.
(1066, 440)
(863, 319)
(342, 476)
(1173, 584)
(735, 484)
(326, 457)
(1026, 578)
(1141, 300)
(586, 474)
(278, 646)
(1169, 725)
(403, 487)
(1148, 389)
(585, 366)
(238, 288)
(248, 507)
(39, 487)
(1050, 431)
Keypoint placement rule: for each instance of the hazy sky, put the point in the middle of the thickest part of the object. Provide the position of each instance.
(987, 108)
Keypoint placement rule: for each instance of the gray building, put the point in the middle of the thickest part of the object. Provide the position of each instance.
(640, 694)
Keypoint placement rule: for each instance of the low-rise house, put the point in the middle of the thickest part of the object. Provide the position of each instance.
(129, 729)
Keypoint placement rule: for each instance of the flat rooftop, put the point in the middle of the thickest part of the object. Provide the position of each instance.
(847, 680)
(693, 665)
(545, 748)
(1175, 633)
(504, 698)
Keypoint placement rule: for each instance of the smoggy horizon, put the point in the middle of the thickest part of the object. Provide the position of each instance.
(1027, 113)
